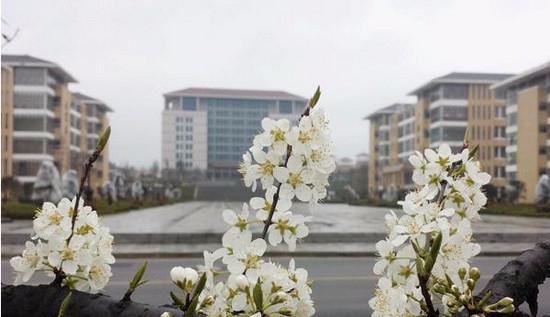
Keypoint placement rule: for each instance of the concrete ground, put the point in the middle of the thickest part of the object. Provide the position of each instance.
(186, 229)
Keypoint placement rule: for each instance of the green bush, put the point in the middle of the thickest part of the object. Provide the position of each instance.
(17, 210)
(20, 210)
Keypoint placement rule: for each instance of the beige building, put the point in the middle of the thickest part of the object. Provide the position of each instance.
(41, 121)
(7, 122)
(528, 127)
(391, 141)
(445, 107)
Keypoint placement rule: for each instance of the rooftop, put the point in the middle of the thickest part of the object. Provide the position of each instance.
(462, 78)
(527, 75)
(388, 110)
(87, 99)
(234, 93)
(31, 61)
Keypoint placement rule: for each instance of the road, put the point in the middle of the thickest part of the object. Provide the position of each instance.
(342, 286)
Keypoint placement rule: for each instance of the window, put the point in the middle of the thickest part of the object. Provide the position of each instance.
(189, 120)
(285, 106)
(189, 103)
(500, 152)
(511, 158)
(455, 91)
(500, 132)
(500, 172)
(512, 119)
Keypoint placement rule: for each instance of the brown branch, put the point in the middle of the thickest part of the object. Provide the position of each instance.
(45, 300)
(520, 278)
(275, 200)
(423, 280)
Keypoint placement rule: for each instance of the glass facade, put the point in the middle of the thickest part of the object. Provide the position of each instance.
(232, 124)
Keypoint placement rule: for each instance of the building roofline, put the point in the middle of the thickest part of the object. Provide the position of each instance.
(535, 71)
(388, 109)
(234, 94)
(446, 79)
(36, 62)
(87, 99)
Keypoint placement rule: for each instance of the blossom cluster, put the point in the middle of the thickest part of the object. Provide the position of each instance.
(288, 163)
(432, 239)
(82, 253)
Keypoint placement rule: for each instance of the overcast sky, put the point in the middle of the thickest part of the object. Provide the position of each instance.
(364, 54)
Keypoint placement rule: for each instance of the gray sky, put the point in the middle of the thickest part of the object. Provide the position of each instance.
(364, 54)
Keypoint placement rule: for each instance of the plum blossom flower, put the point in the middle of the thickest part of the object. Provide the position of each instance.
(287, 227)
(243, 253)
(295, 179)
(237, 223)
(263, 205)
(85, 258)
(274, 135)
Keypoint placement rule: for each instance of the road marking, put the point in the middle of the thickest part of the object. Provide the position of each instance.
(315, 279)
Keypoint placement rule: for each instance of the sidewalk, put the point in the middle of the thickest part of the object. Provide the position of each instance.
(187, 229)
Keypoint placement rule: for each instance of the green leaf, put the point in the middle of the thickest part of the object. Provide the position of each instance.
(434, 252)
(191, 310)
(200, 286)
(417, 248)
(473, 151)
(313, 101)
(136, 281)
(419, 266)
(466, 135)
(258, 295)
(65, 304)
(177, 301)
(102, 142)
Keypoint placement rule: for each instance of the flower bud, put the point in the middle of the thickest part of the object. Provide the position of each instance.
(471, 283)
(241, 281)
(279, 297)
(184, 278)
(207, 301)
(455, 290)
(102, 142)
(166, 314)
(461, 273)
(474, 273)
(285, 312)
(438, 288)
(506, 301)
(507, 310)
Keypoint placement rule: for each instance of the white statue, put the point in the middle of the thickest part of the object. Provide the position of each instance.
(47, 186)
(137, 190)
(69, 184)
(542, 191)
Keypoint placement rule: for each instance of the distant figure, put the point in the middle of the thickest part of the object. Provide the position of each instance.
(118, 183)
(69, 184)
(137, 191)
(47, 186)
(542, 191)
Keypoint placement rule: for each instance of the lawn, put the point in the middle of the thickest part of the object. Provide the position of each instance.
(26, 210)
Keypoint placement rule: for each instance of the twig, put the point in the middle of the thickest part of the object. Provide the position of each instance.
(275, 200)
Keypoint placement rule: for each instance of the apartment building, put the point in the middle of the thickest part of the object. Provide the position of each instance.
(39, 120)
(445, 107)
(209, 129)
(7, 122)
(528, 127)
(392, 139)
(88, 121)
